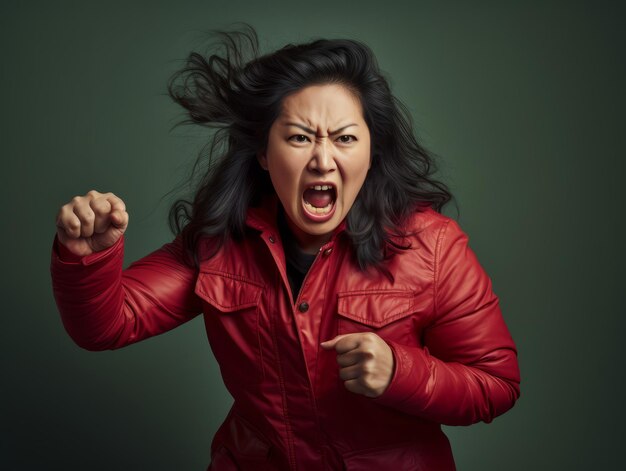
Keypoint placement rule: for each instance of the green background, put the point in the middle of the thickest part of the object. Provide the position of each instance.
(523, 102)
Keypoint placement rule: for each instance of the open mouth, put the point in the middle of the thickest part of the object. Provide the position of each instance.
(319, 202)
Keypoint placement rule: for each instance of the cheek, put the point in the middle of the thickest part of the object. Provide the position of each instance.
(283, 178)
(351, 189)
(356, 171)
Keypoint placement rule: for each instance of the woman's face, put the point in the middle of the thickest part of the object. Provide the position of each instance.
(318, 155)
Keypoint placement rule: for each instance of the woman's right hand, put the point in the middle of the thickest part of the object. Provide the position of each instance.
(91, 223)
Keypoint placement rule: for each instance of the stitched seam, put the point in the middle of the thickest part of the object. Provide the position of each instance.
(320, 439)
(334, 259)
(232, 306)
(281, 380)
(233, 277)
(387, 320)
(346, 294)
(258, 340)
(442, 232)
(246, 304)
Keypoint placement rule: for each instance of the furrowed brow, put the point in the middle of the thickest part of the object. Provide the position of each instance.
(342, 128)
(311, 131)
(301, 126)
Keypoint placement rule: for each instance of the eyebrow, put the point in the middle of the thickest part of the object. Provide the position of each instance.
(311, 131)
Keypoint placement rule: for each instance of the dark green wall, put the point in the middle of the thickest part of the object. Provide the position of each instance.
(524, 103)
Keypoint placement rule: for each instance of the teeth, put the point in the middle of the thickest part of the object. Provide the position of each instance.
(321, 187)
(315, 210)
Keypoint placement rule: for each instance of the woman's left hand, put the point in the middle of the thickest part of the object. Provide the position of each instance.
(366, 362)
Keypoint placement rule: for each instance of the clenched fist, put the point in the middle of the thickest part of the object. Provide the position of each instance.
(366, 362)
(91, 223)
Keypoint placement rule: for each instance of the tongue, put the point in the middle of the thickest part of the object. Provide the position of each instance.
(318, 198)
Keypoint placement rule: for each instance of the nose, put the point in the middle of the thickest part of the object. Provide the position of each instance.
(323, 160)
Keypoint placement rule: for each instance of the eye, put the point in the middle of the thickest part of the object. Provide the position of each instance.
(346, 139)
(299, 138)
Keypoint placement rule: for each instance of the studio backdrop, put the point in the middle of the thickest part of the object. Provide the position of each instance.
(522, 104)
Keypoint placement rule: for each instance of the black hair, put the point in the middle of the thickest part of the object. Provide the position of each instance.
(238, 93)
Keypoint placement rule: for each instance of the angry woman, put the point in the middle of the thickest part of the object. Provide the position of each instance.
(349, 317)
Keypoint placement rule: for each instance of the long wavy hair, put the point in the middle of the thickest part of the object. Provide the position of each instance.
(238, 93)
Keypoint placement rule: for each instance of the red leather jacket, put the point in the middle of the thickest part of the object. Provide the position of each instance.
(455, 362)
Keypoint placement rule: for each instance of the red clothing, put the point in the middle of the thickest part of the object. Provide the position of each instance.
(455, 361)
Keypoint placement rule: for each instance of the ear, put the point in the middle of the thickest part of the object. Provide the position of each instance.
(262, 158)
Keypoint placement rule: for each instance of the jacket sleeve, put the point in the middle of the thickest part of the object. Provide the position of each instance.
(104, 307)
(467, 370)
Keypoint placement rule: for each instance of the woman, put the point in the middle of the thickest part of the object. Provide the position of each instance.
(350, 319)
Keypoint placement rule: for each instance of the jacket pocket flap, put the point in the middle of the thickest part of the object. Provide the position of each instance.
(375, 308)
(400, 456)
(227, 292)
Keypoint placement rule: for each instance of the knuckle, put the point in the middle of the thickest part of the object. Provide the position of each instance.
(99, 206)
(117, 201)
(98, 210)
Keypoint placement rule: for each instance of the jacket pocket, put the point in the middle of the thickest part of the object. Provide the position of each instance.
(233, 321)
(396, 315)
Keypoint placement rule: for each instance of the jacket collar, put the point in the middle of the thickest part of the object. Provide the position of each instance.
(264, 217)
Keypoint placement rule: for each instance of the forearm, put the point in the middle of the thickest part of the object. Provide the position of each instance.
(451, 393)
(89, 296)
(105, 307)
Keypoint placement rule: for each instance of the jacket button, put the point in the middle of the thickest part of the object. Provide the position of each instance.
(272, 239)
(327, 252)
(303, 307)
